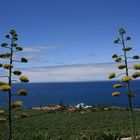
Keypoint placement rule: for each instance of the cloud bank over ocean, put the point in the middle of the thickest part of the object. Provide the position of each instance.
(72, 73)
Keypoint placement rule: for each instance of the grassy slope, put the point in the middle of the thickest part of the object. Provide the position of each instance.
(70, 126)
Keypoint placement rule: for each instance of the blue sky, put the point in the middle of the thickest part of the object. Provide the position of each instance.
(61, 34)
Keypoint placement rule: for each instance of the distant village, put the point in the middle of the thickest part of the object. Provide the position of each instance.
(70, 108)
(80, 106)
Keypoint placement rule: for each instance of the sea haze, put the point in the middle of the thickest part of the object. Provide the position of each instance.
(90, 93)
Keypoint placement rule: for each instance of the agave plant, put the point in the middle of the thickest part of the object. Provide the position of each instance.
(12, 47)
(127, 78)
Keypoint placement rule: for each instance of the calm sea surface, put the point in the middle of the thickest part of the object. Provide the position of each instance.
(90, 93)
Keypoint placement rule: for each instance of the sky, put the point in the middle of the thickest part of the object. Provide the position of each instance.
(69, 40)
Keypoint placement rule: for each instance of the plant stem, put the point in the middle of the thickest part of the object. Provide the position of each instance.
(9, 103)
(129, 92)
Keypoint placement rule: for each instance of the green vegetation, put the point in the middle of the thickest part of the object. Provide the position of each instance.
(96, 123)
(63, 125)
(12, 48)
(126, 79)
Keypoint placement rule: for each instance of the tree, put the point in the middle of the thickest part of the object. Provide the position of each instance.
(12, 48)
(127, 78)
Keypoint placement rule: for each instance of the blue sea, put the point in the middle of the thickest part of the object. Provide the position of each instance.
(89, 93)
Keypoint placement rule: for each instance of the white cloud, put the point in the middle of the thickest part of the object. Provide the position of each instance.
(36, 53)
(36, 49)
(73, 73)
(31, 50)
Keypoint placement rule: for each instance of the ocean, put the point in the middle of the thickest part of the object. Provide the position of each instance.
(89, 93)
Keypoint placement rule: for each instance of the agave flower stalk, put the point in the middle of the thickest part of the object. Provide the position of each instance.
(7, 87)
(127, 78)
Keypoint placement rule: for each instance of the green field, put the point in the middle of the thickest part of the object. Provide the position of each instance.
(61, 125)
